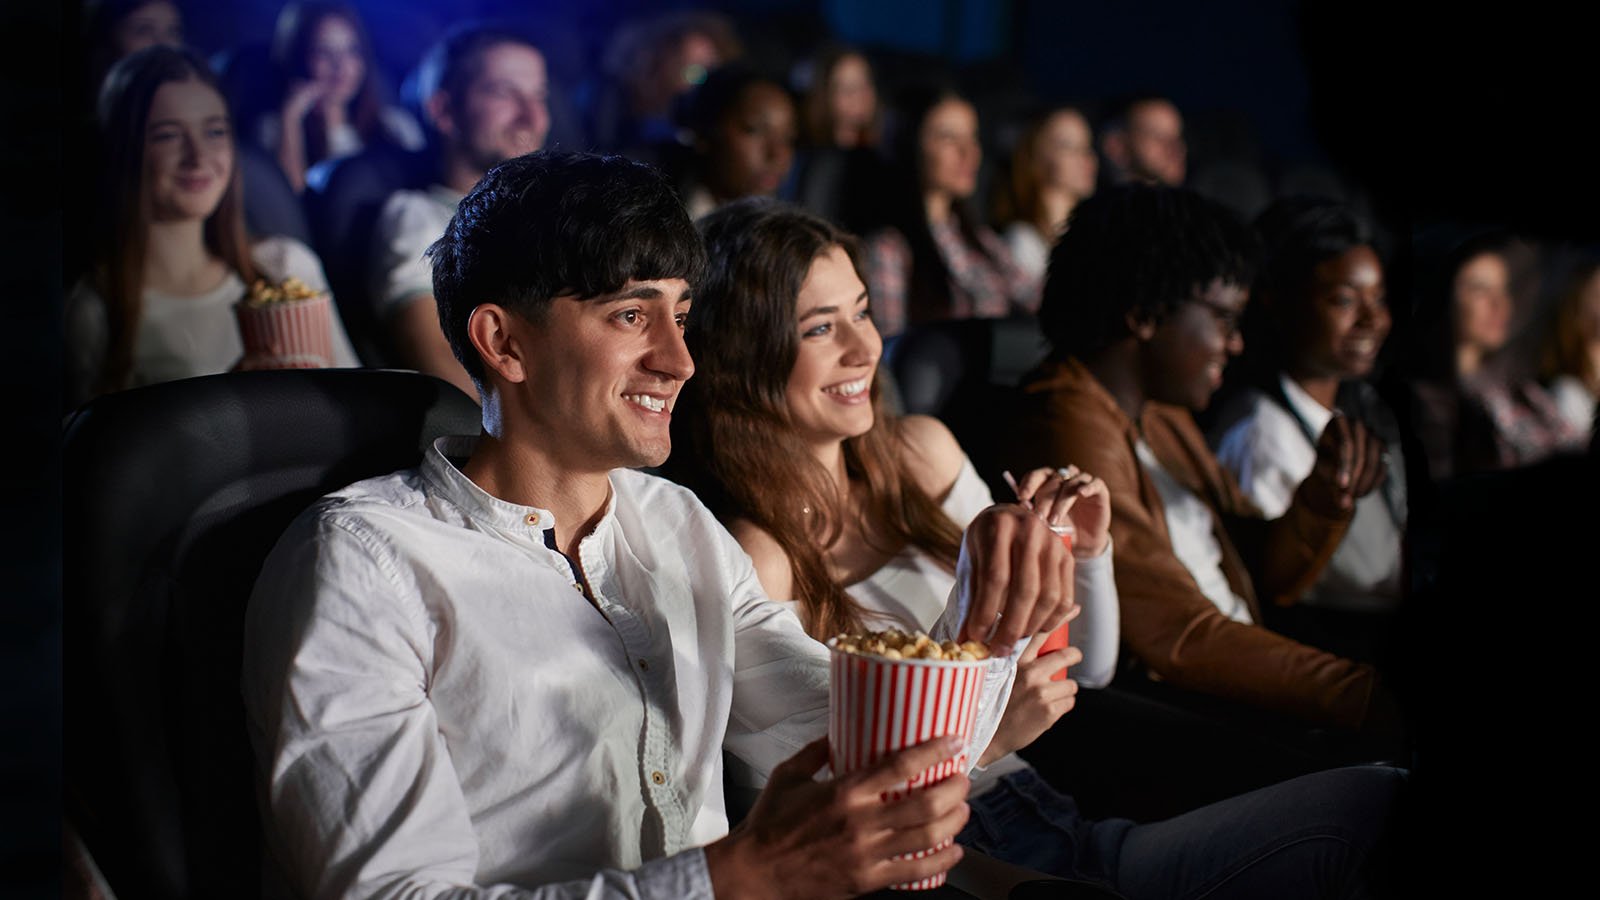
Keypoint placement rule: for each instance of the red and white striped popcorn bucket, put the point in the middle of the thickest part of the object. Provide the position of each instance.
(877, 706)
(288, 334)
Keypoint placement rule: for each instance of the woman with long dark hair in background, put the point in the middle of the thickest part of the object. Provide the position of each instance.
(171, 256)
(937, 259)
(332, 103)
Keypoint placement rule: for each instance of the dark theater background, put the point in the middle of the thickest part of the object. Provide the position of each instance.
(1433, 118)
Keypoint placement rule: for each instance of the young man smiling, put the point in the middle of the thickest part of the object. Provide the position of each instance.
(514, 670)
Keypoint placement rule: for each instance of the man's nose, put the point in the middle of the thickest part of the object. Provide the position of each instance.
(669, 355)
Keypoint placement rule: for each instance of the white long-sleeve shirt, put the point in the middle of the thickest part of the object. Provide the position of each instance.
(1270, 453)
(914, 591)
(438, 710)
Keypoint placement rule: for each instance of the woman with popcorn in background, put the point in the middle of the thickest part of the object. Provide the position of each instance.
(171, 258)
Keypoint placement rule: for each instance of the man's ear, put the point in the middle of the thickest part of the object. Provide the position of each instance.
(494, 332)
(1141, 325)
(438, 109)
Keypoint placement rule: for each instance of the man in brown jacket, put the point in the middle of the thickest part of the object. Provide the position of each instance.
(1141, 308)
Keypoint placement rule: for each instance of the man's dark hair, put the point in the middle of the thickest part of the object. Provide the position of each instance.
(552, 224)
(1120, 109)
(1141, 249)
(452, 63)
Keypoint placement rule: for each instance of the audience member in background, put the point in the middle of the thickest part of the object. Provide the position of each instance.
(116, 28)
(1141, 310)
(1572, 359)
(1142, 140)
(840, 166)
(840, 99)
(937, 259)
(1320, 304)
(742, 130)
(484, 93)
(1053, 168)
(171, 254)
(1470, 412)
(855, 517)
(648, 65)
(332, 102)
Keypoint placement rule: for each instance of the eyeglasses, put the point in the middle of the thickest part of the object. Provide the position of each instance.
(1227, 318)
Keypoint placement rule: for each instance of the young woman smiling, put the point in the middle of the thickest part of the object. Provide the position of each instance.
(855, 517)
(172, 256)
(1323, 320)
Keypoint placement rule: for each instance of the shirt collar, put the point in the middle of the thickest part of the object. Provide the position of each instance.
(445, 477)
(1309, 410)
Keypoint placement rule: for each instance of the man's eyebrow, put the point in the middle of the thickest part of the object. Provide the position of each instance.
(645, 292)
(826, 310)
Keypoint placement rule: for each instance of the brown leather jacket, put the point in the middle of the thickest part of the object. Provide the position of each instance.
(1178, 634)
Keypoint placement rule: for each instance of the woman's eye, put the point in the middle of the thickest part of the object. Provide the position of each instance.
(819, 330)
(863, 314)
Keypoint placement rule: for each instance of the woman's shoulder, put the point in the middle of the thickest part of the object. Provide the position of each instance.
(931, 453)
(773, 567)
(401, 127)
(280, 256)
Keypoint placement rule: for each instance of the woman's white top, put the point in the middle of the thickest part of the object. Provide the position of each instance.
(1574, 401)
(1029, 249)
(1270, 454)
(182, 337)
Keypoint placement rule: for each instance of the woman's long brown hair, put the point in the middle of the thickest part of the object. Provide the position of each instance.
(291, 46)
(123, 230)
(1019, 201)
(734, 442)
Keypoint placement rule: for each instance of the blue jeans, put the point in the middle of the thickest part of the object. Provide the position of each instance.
(1308, 837)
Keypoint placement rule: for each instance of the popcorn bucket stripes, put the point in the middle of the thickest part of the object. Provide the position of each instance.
(878, 706)
(294, 334)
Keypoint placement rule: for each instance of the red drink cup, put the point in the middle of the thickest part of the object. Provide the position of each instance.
(877, 706)
(1058, 638)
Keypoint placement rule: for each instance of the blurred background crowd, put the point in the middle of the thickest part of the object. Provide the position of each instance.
(329, 141)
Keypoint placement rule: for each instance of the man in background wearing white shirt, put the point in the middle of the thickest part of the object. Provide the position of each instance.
(485, 95)
(513, 671)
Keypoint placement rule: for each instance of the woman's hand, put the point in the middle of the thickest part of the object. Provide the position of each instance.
(1071, 495)
(1036, 701)
(1350, 463)
(302, 98)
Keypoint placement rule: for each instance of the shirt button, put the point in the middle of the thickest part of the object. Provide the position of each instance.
(532, 519)
(658, 777)
(644, 664)
(577, 587)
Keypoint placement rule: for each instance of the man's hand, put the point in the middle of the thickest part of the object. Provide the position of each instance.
(1018, 575)
(806, 838)
(1349, 465)
(1036, 701)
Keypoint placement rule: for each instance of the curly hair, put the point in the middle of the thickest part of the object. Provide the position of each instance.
(1139, 249)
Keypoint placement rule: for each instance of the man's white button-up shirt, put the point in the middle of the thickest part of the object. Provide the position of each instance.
(437, 712)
